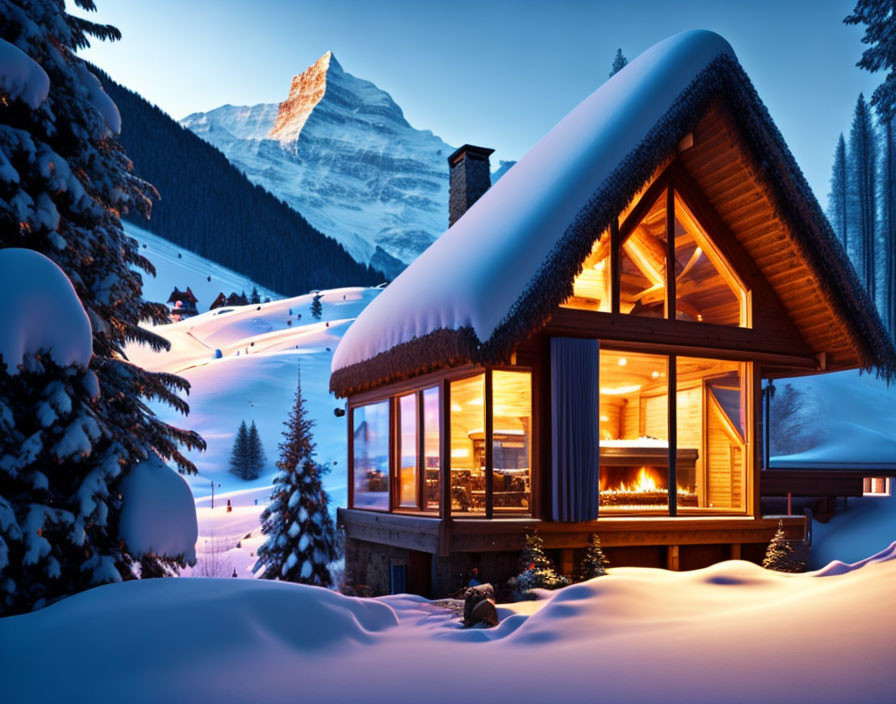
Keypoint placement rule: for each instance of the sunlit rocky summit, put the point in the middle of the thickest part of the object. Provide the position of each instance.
(341, 152)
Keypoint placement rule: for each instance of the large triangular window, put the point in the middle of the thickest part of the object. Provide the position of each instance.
(706, 287)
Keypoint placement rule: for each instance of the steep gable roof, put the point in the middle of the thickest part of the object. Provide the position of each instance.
(496, 276)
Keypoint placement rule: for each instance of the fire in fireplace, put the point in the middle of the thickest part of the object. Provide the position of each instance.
(633, 488)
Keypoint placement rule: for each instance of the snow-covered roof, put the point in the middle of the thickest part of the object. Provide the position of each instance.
(497, 274)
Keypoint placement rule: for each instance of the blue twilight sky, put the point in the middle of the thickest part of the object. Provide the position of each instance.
(496, 73)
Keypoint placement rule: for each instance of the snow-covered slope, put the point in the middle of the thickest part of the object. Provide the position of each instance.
(732, 632)
(176, 266)
(340, 151)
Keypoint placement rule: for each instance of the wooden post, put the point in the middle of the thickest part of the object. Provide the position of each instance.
(672, 374)
(489, 450)
(421, 452)
(670, 253)
(735, 551)
(672, 558)
(351, 456)
(615, 273)
(566, 563)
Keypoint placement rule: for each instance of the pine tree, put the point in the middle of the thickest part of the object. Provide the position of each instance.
(301, 536)
(619, 62)
(537, 570)
(888, 222)
(254, 298)
(863, 192)
(316, 307)
(239, 455)
(838, 197)
(780, 555)
(65, 181)
(879, 18)
(595, 563)
(256, 458)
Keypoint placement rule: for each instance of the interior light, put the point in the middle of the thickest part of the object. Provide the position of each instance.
(620, 390)
(460, 452)
(622, 361)
(604, 419)
(655, 375)
(456, 408)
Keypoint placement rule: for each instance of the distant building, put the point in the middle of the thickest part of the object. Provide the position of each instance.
(182, 303)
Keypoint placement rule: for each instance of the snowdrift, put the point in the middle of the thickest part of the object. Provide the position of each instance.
(729, 633)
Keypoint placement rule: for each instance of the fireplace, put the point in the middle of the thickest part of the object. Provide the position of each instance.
(637, 478)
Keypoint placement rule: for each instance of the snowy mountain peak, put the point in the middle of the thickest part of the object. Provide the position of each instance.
(339, 150)
(306, 91)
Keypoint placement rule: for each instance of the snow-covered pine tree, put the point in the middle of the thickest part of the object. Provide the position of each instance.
(862, 157)
(63, 182)
(838, 197)
(619, 62)
(780, 555)
(316, 308)
(595, 563)
(256, 458)
(888, 222)
(239, 455)
(537, 570)
(301, 537)
(254, 297)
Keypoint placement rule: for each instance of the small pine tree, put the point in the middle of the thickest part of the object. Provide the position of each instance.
(595, 562)
(239, 456)
(619, 62)
(301, 536)
(838, 198)
(537, 570)
(256, 458)
(780, 555)
(254, 297)
(316, 307)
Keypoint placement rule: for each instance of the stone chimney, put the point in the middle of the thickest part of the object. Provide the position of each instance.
(469, 178)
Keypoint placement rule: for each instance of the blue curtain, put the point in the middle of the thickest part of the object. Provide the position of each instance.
(575, 417)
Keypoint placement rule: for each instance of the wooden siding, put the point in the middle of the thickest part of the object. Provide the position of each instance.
(733, 186)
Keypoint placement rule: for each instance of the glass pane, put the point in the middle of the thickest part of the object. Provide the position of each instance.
(591, 289)
(468, 445)
(431, 447)
(407, 452)
(642, 265)
(371, 456)
(706, 288)
(712, 427)
(634, 448)
(511, 428)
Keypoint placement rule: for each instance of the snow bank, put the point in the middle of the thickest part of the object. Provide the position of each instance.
(21, 77)
(729, 633)
(517, 223)
(39, 310)
(158, 515)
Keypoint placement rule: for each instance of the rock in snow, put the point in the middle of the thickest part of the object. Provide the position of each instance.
(158, 515)
(21, 77)
(514, 227)
(340, 151)
(39, 310)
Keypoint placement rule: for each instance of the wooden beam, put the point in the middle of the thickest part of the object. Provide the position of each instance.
(349, 421)
(670, 255)
(643, 206)
(672, 558)
(684, 335)
(803, 482)
(421, 451)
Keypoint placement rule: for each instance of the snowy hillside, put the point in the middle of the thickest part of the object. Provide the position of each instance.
(340, 151)
(732, 632)
(176, 266)
(253, 379)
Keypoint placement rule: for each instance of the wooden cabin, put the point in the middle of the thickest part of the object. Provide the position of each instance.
(582, 351)
(182, 303)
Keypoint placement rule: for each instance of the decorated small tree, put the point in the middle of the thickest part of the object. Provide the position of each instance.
(595, 563)
(301, 536)
(780, 555)
(537, 570)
